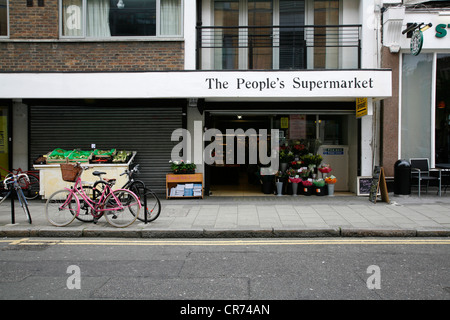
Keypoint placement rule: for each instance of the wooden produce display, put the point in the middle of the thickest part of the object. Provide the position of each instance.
(51, 178)
(180, 185)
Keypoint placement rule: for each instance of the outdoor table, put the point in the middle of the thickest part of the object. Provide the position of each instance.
(446, 173)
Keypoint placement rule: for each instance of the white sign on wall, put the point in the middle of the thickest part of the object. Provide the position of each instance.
(199, 84)
(435, 38)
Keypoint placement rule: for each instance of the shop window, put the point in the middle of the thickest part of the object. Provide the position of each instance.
(292, 35)
(120, 18)
(3, 18)
(415, 108)
(272, 34)
(443, 108)
(328, 129)
(326, 53)
(257, 47)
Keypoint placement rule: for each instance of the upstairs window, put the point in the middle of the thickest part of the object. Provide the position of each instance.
(4, 18)
(120, 18)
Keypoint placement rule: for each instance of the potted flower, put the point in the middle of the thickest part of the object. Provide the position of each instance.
(286, 156)
(296, 164)
(324, 169)
(295, 180)
(299, 149)
(307, 186)
(331, 181)
(319, 186)
(182, 167)
(312, 160)
(304, 173)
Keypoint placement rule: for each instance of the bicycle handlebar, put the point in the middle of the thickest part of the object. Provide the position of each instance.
(134, 170)
(14, 177)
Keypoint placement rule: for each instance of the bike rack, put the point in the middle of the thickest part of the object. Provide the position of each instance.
(13, 214)
(145, 207)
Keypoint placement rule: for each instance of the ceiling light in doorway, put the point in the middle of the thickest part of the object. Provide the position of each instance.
(239, 117)
(120, 4)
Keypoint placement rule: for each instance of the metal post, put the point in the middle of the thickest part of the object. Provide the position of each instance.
(145, 206)
(13, 215)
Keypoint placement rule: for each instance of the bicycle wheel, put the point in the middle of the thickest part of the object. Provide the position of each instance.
(85, 210)
(24, 205)
(149, 201)
(62, 207)
(122, 208)
(30, 188)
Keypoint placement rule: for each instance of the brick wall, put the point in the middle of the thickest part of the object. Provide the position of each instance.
(389, 115)
(33, 22)
(47, 54)
(90, 56)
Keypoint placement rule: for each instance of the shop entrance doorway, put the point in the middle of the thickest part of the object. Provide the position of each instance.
(233, 178)
(332, 136)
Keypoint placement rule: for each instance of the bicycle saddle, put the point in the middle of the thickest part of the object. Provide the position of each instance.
(98, 173)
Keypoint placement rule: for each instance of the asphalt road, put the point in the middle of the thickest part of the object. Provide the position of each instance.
(225, 269)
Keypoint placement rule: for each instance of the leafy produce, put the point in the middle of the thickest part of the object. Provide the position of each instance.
(121, 156)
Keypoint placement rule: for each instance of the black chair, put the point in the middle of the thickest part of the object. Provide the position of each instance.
(420, 171)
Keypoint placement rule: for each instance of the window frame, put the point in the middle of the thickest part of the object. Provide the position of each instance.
(7, 22)
(158, 35)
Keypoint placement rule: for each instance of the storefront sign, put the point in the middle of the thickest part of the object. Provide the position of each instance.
(416, 42)
(437, 38)
(200, 84)
(298, 126)
(361, 107)
(284, 122)
(441, 31)
(333, 151)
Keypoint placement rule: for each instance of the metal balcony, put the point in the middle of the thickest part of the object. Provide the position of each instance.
(279, 47)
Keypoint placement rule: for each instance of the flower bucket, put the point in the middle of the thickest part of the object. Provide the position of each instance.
(307, 190)
(267, 184)
(319, 191)
(331, 189)
(279, 188)
(294, 188)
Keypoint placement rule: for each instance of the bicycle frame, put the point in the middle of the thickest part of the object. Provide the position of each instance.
(18, 189)
(15, 184)
(20, 172)
(94, 205)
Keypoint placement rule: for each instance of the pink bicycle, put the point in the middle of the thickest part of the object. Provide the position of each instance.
(120, 207)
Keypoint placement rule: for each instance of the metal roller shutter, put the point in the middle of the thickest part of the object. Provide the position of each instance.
(145, 129)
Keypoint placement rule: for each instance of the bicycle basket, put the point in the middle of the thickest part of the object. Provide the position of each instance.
(70, 171)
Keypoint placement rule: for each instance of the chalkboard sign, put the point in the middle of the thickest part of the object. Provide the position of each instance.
(375, 185)
(364, 184)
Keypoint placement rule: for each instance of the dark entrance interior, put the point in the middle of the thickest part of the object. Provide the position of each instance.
(232, 178)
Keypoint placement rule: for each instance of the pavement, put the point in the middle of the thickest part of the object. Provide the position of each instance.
(263, 217)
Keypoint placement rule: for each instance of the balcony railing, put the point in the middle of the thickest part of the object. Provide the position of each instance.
(279, 47)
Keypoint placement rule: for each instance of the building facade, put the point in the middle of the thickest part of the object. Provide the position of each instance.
(417, 124)
(126, 74)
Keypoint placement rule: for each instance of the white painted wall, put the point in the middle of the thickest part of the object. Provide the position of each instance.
(20, 135)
